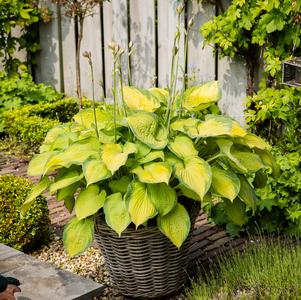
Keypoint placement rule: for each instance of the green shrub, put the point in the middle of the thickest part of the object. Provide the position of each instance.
(22, 233)
(267, 270)
(18, 90)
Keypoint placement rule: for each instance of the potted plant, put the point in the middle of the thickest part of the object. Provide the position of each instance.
(137, 172)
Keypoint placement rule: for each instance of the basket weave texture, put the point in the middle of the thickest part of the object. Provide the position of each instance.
(143, 263)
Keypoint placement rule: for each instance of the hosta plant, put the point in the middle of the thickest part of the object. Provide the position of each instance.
(133, 161)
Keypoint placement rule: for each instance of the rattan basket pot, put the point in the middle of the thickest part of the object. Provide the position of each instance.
(143, 263)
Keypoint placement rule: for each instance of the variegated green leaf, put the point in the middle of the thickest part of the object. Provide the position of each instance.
(89, 201)
(249, 160)
(35, 192)
(175, 225)
(116, 213)
(267, 158)
(163, 197)
(236, 211)
(253, 141)
(78, 236)
(195, 174)
(38, 162)
(188, 126)
(120, 185)
(247, 193)
(95, 170)
(67, 178)
(161, 94)
(155, 172)
(140, 206)
(197, 98)
(148, 129)
(153, 155)
(189, 193)
(86, 118)
(183, 147)
(113, 156)
(225, 183)
(140, 99)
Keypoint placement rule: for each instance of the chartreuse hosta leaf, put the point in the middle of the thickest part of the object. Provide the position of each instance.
(155, 172)
(86, 118)
(153, 155)
(175, 225)
(195, 173)
(89, 201)
(236, 211)
(161, 94)
(35, 192)
(269, 160)
(225, 147)
(116, 213)
(140, 99)
(163, 197)
(139, 203)
(214, 125)
(249, 160)
(76, 154)
(197, 98)
(183, 147)
(225, 183)
(142, 149)
(115, 155)
(69, 203)
(120, 185)
(38, 162)
(78, 236)
(67, 192)
(65, 179)
(189, 193)
(247, 193)
(95, 170)
(148, 129)
(253, 141)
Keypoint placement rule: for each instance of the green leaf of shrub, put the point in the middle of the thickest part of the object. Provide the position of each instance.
(78, 236)
(175, 225)
(35, 192)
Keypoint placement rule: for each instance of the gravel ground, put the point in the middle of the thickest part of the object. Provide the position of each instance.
(90, 265)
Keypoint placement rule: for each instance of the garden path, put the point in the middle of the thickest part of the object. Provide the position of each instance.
(208, 240)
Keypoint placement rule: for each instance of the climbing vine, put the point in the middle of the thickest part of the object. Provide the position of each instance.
(20, 16)
(257, 29)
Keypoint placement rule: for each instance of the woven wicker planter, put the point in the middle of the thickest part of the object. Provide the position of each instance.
(143, 263)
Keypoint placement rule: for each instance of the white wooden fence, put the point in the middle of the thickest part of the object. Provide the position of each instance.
(150, 25)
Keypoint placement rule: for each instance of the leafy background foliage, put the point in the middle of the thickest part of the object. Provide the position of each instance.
(31, 230)
(25, 15)
(273, 28)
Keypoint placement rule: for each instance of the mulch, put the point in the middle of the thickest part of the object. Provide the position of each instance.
(208, 240)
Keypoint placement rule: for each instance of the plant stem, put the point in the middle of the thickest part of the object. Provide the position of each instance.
(114, 96)
(88, 55)
(214, 157)
(77, 62)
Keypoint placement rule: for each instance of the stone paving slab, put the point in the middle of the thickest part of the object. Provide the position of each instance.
(42, 281)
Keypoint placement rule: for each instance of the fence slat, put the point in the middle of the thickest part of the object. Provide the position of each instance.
(92, 42)
(167, 23)
(200, 61)
(142, 33)
(115, 27)
(48, 60)
(233, 80)
(68, 53)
